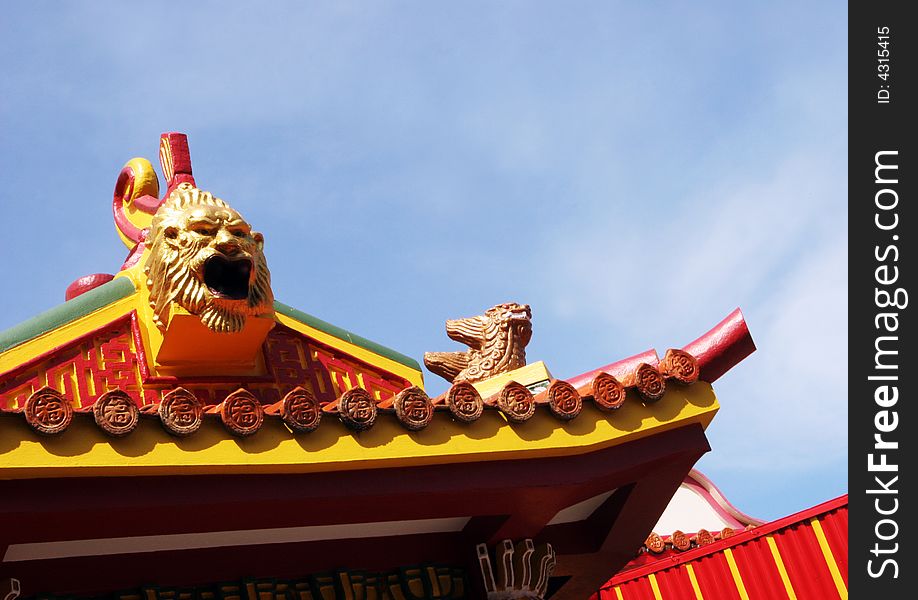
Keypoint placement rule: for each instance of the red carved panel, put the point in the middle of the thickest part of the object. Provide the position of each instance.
(296, 360)
(83, 370)
(106, 360)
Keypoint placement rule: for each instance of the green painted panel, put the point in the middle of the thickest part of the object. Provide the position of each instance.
(67, 312)
(345, 335)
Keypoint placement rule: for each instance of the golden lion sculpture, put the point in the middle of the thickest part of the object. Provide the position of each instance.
(497, 343)
(205, 257)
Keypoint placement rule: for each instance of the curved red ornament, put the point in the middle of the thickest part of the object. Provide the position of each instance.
(464, 401)
(413, 408)
(47, 411)
(86, 283)
(242, 413)
(608, 392)
(175, 159)
(564, 401)
(649, 383)
(356, 409)
(136, 254)
(135, 190)
(180, 412)
(723, 347)
(116, 413)
(124, 189)
(516, 402)
(301, 411)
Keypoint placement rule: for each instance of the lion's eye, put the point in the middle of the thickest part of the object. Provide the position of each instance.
(239, 233)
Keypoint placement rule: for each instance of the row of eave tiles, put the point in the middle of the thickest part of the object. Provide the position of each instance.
(678, 541)
(181, 413)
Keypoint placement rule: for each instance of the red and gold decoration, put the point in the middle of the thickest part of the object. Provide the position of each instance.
(425, 582)
(205, 258)
(174, 419)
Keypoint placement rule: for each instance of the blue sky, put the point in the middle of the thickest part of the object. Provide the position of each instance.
(634, 171)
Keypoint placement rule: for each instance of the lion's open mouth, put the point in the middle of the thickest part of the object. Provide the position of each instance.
(228, 278)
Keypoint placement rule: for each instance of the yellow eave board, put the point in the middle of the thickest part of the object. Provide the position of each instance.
(83, 450)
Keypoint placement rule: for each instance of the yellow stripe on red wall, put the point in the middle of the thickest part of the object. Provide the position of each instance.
(830, 559)
(737, 578)
(694, 580)
(779, 562)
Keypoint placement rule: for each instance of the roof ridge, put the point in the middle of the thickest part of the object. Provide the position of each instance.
(344, 334)
(67, 312)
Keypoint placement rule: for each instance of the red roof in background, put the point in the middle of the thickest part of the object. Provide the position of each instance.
(801, 556)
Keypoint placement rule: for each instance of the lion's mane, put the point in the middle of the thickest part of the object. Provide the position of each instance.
(175, 267)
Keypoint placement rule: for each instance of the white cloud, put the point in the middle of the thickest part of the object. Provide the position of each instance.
(729, 239)
(787, 410)
(772, 241)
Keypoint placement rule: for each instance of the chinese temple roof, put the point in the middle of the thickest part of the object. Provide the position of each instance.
(183, 364)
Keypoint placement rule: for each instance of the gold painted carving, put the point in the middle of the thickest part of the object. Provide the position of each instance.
(205, 257)
(497, 343)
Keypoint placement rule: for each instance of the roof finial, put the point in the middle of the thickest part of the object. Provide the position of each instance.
(175, 160)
